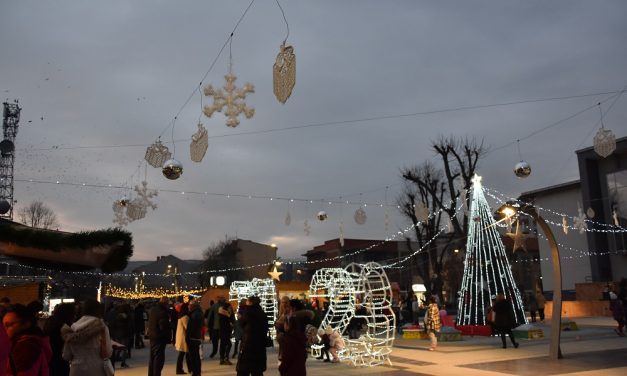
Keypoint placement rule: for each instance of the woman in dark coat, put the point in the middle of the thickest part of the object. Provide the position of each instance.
(63, 314)
(504, 319)
(294, 344)
(252, 356)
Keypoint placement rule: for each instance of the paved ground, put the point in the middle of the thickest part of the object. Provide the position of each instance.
(593, 350)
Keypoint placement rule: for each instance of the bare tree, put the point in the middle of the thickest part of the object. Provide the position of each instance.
(438, 190)
(38, 215)
(221, 255)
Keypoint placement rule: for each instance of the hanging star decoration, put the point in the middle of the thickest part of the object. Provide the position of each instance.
(565, 224)
(306, 227)
(520, 238)
(230, 101)
(579, 222)
(275, 274)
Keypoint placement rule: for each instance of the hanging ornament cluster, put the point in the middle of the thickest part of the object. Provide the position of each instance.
(422, 212)
(172, 169)
(126, 211)
(229, 101)
(341, 234)
(284, 73)
(157, 154)
(360, 216)
(306, 227)
(200, 143)
(604, 140)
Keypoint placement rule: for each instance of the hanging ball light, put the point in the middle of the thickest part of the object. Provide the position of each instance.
(322, 215)
(172, 169)
(522, 169)
(4, 206)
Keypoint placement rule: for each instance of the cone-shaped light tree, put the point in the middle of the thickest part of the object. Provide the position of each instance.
(487, 271)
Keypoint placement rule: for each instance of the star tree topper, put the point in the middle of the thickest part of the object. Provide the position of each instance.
(275, 274)
(231, 98)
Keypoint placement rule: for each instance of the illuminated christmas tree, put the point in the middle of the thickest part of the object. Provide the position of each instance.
(487, 271)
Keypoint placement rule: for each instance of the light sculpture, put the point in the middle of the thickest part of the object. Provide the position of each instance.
(265, 290)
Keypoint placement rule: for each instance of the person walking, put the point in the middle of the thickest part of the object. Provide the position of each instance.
(213, 323)
(252, 359)
(181, 344)
(63, 314)
(279, 324)
(433, 324)
(541, 301)
(193, 336)
(238, 331)
(120, 329)
(160, 334)
(294, 343)
(140, 325)
(227, 320)
(87, 343)
(30, 348)
(504, 319)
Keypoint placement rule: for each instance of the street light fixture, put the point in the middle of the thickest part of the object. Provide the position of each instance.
(509, 209)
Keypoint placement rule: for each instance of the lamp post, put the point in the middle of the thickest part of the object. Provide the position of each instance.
(510, 209)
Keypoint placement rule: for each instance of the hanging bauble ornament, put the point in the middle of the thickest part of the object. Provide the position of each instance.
(360, 216)
(284, 73)
(322, 215)
(200, 143)
(522, 169)
(590, 213)
(422, 212)
(157, 154)
(135, 210)
(123, 201)
(604, 142)
(288, 218)
(172, 169)
(565, 225)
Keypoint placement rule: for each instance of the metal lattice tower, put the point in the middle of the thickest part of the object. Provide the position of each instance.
(10, 123)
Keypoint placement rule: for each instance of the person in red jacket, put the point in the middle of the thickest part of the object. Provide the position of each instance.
(30, 348)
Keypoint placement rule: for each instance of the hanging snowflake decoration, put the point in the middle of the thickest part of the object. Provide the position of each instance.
(157, 154)
(288, 218)
(306, 227)
(200, 143)
(565, 224)
(230, 101)
(360, 216)
(284, 73)
(145, 195)
(604, 142)
(579, 222)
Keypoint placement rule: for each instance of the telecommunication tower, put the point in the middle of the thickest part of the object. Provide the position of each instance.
(10, 123)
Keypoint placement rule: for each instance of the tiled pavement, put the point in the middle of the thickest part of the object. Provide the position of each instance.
(594, 350)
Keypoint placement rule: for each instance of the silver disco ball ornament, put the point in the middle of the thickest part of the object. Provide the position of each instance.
(322, 215)
(522, 169)
(123, 201)
(172, 169)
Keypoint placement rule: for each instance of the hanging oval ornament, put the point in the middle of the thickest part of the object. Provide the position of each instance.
(288, 218)
(200, 143)
(590, 213)
(341, 233)
(360, 216)
(522, 169)
(157, 154)
(172, 169)
(284, 73)
(604, 142)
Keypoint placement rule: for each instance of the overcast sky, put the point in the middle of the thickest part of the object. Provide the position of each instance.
(103, 73)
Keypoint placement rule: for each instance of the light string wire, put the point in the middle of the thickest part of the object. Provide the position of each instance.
(359, 120)
(287, 25)
(504, 198)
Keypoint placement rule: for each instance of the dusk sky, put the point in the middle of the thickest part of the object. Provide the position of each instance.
(99, 81)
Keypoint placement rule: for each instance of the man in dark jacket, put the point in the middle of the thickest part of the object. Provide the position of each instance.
(193, 336)
(160, 334)
(252, 357)
(213, 323)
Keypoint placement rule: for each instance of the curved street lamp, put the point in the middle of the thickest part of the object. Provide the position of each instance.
(510, 209)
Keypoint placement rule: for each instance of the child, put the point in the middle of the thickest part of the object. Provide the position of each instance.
(336, 343)
(324, 341)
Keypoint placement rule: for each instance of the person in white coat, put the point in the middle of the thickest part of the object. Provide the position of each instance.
(87, 343)
(180, 344)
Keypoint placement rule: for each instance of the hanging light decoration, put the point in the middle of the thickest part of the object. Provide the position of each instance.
(157, 154)
(604, 140)
(522, 169)
(172, 169)
(200, 143)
